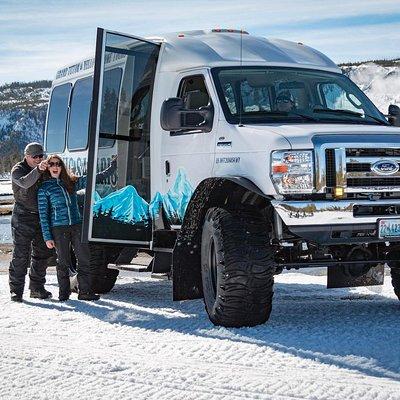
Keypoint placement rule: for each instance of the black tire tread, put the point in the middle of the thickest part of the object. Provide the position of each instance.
(244, 297)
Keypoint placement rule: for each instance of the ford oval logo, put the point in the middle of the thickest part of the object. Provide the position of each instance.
(385, 167)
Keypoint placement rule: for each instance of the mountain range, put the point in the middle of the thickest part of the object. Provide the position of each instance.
(23, 106)
(379, 79)
(23, 109)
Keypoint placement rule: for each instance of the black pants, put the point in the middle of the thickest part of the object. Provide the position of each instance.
(64, 237)
(29, 250)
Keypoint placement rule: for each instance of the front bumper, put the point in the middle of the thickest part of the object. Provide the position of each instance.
(335, 222)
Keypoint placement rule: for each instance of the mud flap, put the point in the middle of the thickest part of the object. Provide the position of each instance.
(341, 276)
(187, 283)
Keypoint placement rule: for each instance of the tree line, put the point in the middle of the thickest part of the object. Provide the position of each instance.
(10, 154)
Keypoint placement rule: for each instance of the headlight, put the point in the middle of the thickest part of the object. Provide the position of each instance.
(293, 171)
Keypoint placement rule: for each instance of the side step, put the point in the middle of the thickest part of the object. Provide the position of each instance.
(138, 264)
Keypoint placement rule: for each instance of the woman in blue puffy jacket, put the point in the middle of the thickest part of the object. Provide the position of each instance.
(61, 221)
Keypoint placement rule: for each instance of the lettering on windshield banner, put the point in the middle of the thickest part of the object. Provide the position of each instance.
(79, 167)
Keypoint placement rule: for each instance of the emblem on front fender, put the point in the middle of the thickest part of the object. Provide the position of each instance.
(385, 167)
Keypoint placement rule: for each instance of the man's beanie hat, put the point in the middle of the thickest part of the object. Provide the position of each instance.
(33, 149)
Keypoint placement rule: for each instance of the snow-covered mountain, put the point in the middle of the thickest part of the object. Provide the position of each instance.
(380, 81)
(22, 116)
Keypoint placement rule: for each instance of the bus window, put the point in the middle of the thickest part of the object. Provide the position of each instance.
(108, 120)
(79, 114)
(57, 119)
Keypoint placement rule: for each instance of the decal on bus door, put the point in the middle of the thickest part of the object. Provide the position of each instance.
(124, 212)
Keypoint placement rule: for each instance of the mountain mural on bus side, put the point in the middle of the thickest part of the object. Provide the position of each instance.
(124, 205)
(124, 213)
(175, 201)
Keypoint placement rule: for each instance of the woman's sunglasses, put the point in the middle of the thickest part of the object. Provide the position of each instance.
(37, 156)
(54, 164)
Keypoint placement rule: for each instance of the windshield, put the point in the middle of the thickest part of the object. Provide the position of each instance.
(273, 94)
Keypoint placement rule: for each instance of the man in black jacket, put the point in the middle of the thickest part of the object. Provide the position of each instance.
(29, 247)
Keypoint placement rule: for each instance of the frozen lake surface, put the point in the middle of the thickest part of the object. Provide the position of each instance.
(5, 229)
(5, 187)
(136, 343)
(5, 220)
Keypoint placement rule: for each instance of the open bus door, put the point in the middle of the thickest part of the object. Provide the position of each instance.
(117, 207)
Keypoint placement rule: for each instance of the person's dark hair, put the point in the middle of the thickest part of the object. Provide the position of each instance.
(66, 176)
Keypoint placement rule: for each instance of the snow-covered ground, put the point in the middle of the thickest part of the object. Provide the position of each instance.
(137, 344)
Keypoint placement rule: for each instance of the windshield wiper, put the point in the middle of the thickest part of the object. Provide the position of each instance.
(289, 113)
(349, 113)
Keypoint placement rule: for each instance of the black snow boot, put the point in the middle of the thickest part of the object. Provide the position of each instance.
(88, 296)
(16, 297)
(42, 294)
(64, 296)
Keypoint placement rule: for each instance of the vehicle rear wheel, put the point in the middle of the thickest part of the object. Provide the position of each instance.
(104, 278)
(237, 267)
(395, 273)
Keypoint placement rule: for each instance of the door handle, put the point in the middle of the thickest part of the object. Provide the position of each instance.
(224, 144)
(167, 168)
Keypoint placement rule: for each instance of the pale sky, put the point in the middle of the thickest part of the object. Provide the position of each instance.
(38, 37)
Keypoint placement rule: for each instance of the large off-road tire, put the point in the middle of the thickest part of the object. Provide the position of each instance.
(395, 272)
(237, 267)
(100, 256)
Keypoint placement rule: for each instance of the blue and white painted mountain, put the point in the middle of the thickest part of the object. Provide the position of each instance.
(96, 197)
(176, 200)
(124, 205)
(156, 205)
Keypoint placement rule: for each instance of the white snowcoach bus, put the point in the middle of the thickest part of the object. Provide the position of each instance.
(238, 156)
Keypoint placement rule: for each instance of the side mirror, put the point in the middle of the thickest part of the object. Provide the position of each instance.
(174, 116)
(394, 115)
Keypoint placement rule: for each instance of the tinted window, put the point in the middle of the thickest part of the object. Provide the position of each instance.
(336, 98)
(275, 94)
(254, 99)
(229, 94)
(57, 119)
(79, 115)
(109, 105)
(194, 93)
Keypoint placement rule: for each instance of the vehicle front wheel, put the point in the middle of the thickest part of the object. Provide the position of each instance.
(237, 267)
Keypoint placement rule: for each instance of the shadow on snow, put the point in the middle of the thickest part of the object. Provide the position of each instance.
(336, 327)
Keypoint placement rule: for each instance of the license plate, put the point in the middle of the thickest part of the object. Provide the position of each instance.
(389, 228)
